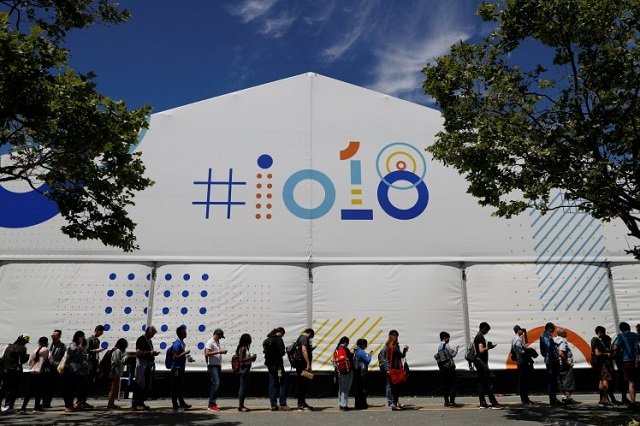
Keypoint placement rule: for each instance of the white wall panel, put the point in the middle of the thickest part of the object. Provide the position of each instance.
(506, 295)
(360, 301)
(239, 299)
(40, 297)
(626, 284)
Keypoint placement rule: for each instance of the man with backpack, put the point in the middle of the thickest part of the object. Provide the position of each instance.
(93, 354)
(176, 361)
(523, 362)
(481, 363)
(549, 351)
(13, 357)
(447, 366)
(274, 349)
(50, 379)
(303, 364)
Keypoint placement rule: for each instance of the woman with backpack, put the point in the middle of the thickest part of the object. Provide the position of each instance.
(343, 364)
(75, 373)
(245, 359)
(115, 373)
(38, 361)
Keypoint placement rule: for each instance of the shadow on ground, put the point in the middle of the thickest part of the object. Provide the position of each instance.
(575, 414)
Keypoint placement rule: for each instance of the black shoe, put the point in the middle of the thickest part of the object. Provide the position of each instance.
(483, 405)
(185, 405)
(84, 405)
(344, 408)
(556, 403)
(274, 408)
(175, 407)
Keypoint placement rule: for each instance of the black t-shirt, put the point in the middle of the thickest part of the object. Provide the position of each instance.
(484, 356)
(273, 358)
(93, 343)
(305, 341)
(143, 344)
(597, 343)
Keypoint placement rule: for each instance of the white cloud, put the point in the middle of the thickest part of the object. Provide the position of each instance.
(400, 58)
(278, 26)
(399, 66)
(250, 10)
(361, 21)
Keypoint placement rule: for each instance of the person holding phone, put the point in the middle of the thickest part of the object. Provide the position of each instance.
(213, 352)
(485, 387)
(145, 360)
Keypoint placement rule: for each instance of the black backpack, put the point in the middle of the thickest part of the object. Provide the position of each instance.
(294, 353)
(104, 367)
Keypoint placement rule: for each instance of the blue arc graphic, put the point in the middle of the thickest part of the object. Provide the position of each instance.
(22, 210)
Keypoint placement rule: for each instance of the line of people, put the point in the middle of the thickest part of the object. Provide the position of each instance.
(78, 367)
(623, 353)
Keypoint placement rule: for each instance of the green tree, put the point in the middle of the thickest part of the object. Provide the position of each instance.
(570, 121)
(66, 139)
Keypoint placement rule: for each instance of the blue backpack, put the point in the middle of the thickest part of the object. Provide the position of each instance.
(168, 359)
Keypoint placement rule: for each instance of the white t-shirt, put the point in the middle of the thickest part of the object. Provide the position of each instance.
(215, 347)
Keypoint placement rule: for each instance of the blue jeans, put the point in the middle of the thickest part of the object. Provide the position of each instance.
(344, 385)
(277, 386)
(214, 383)
(553, 368)
(388, 393)
(244, 377)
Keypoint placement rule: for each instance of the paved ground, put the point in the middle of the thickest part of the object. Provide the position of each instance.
(419, 410)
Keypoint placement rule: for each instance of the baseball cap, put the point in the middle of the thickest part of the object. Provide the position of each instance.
(517, 328)
(219, 332)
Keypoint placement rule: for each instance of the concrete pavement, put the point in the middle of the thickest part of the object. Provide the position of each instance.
(419, 410)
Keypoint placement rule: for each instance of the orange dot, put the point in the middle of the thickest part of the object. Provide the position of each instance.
(258, 206)
(268, 206)
(258, 216)
(259, 186)
(269, 186)
(258, 195)
(269, 176)
(268, 195)
(259, 175)
(268, 216)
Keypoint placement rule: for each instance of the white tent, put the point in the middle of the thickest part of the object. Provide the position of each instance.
(312, 202)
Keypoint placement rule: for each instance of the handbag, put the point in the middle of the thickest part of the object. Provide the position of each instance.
(307, 374)
(62, 363)
(396, 375)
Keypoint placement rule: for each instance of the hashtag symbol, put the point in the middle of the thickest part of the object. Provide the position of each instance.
(208, 203)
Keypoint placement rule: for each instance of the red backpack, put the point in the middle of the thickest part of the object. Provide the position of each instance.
(341, 360)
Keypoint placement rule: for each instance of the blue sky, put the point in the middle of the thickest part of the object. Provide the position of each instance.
(172, 53)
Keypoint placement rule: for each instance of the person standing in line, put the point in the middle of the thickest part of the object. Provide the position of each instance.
(180, 354)
(481, 363)
(524, 363)
(145, 361)
(274, 349)
(76, 370)
(549, 351)
(447, 366)
(362, 359)
(51, 377)
(566, 376)
(38, 361)
(344, 371)
(304, 364)
(601, 363)
(93, 354)
(394, 358)
(13, 357)
(115, 373)
(245, 359)
(213, 352)
(618, 376)
(627, 343)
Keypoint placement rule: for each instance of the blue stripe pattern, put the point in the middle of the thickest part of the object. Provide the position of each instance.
(568, 245)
